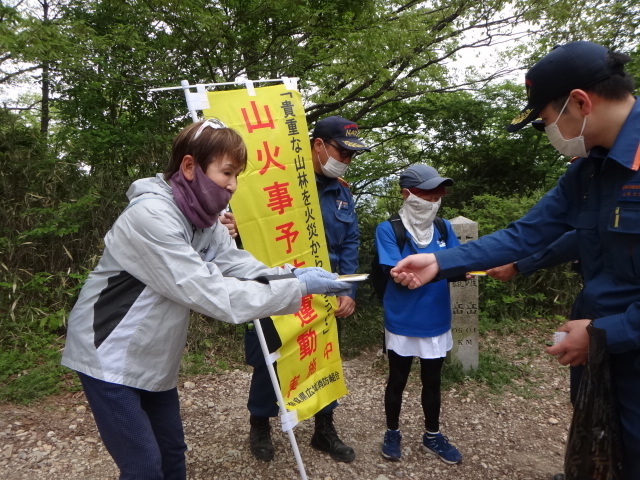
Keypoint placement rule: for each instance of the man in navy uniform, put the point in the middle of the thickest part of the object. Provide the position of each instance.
(335, 142)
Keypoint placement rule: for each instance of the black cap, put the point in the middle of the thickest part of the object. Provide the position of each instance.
(565, 68)
(423, 177)
(343, 131)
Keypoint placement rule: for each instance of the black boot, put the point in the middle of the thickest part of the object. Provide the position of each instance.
(260, 438)
(326, 439)
(558, 476)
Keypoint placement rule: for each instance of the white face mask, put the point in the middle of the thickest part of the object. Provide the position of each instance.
(332, 168)
(417, 216)
(573, 147)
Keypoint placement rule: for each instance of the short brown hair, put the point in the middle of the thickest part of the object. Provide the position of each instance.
(211, 144)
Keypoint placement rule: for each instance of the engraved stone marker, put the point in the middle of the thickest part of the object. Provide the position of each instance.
(464, 305)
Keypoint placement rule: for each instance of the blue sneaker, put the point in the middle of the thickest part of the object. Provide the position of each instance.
(440, 446)
(391, 445)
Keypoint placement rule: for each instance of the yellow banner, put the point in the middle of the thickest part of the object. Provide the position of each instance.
(278, 215)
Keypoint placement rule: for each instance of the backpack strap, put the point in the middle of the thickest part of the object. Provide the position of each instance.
(399, 230)
(442, 229)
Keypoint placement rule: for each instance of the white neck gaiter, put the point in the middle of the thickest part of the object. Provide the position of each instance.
(417, 216)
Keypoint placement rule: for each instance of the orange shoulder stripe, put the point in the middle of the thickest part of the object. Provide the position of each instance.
(636, 161)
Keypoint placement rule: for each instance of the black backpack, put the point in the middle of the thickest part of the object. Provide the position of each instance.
(377, 277)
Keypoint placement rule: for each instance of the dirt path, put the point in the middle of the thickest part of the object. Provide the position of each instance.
(501, 437)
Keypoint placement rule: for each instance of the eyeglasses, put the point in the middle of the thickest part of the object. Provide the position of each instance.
(343, 152)
(212, 123)
(538, 125)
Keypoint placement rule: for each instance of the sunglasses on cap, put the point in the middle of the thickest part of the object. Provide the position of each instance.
(538, 125)
(212, 123)
(343, 152)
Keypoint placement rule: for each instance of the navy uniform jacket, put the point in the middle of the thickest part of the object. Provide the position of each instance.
(563, 250)
(340, 225)
(599, 197)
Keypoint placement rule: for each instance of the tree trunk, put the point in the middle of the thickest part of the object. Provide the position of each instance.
(45, 115)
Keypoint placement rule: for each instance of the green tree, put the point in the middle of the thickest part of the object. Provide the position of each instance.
(389, 65)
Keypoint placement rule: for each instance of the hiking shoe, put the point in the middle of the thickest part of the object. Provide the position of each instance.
(440, 446)
(325, 439)
(558, 476)
(391, 445)
(260, 439)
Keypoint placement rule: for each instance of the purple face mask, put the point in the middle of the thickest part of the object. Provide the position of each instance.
(201, 199)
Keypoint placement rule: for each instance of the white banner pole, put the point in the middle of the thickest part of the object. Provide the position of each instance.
(284, 414)
(192, 111)
(286, 80)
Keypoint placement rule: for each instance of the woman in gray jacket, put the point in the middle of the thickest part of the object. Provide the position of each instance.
(166, 254)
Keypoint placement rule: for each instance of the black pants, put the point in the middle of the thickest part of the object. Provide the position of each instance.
(262, 400)
(142, 430)
(399, 369)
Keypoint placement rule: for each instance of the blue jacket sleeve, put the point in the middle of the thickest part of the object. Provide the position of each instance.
(565, 249)
(520, 239)
(623, 330)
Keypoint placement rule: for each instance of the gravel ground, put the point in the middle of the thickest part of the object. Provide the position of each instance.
(517, 434)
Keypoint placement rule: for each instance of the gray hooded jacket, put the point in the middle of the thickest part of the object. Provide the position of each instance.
(129, 325)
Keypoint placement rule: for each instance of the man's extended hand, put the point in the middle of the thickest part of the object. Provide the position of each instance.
(504, 273)
(346, 306)
(573, 350)
(229, 221)
(415, 270)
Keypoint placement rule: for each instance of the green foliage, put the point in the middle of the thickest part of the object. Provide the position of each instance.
(494, 370)
(546, 293)
(613, 24)
(363, 329)
(63, 219)
(30, 367)
(472, 147)
(23, 293)
(212, 346)
(386, 65)
(42, 232)
(492, 212)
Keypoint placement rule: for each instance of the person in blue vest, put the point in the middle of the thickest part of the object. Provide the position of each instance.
(417, 322)
(584, 101)
(335, 142)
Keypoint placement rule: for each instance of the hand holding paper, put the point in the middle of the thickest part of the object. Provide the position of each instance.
(318, 280)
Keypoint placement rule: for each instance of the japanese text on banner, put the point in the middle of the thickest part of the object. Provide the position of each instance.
(279, 220)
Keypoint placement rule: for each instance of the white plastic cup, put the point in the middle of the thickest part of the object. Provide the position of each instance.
(558, 337)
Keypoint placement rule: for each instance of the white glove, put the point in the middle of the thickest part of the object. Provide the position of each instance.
(318, 280)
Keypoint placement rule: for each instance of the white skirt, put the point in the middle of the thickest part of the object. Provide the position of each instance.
(423, 347)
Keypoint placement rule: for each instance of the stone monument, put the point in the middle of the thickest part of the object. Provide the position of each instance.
(464, 305)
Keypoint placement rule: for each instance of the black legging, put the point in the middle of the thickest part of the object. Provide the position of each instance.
(399, 369)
